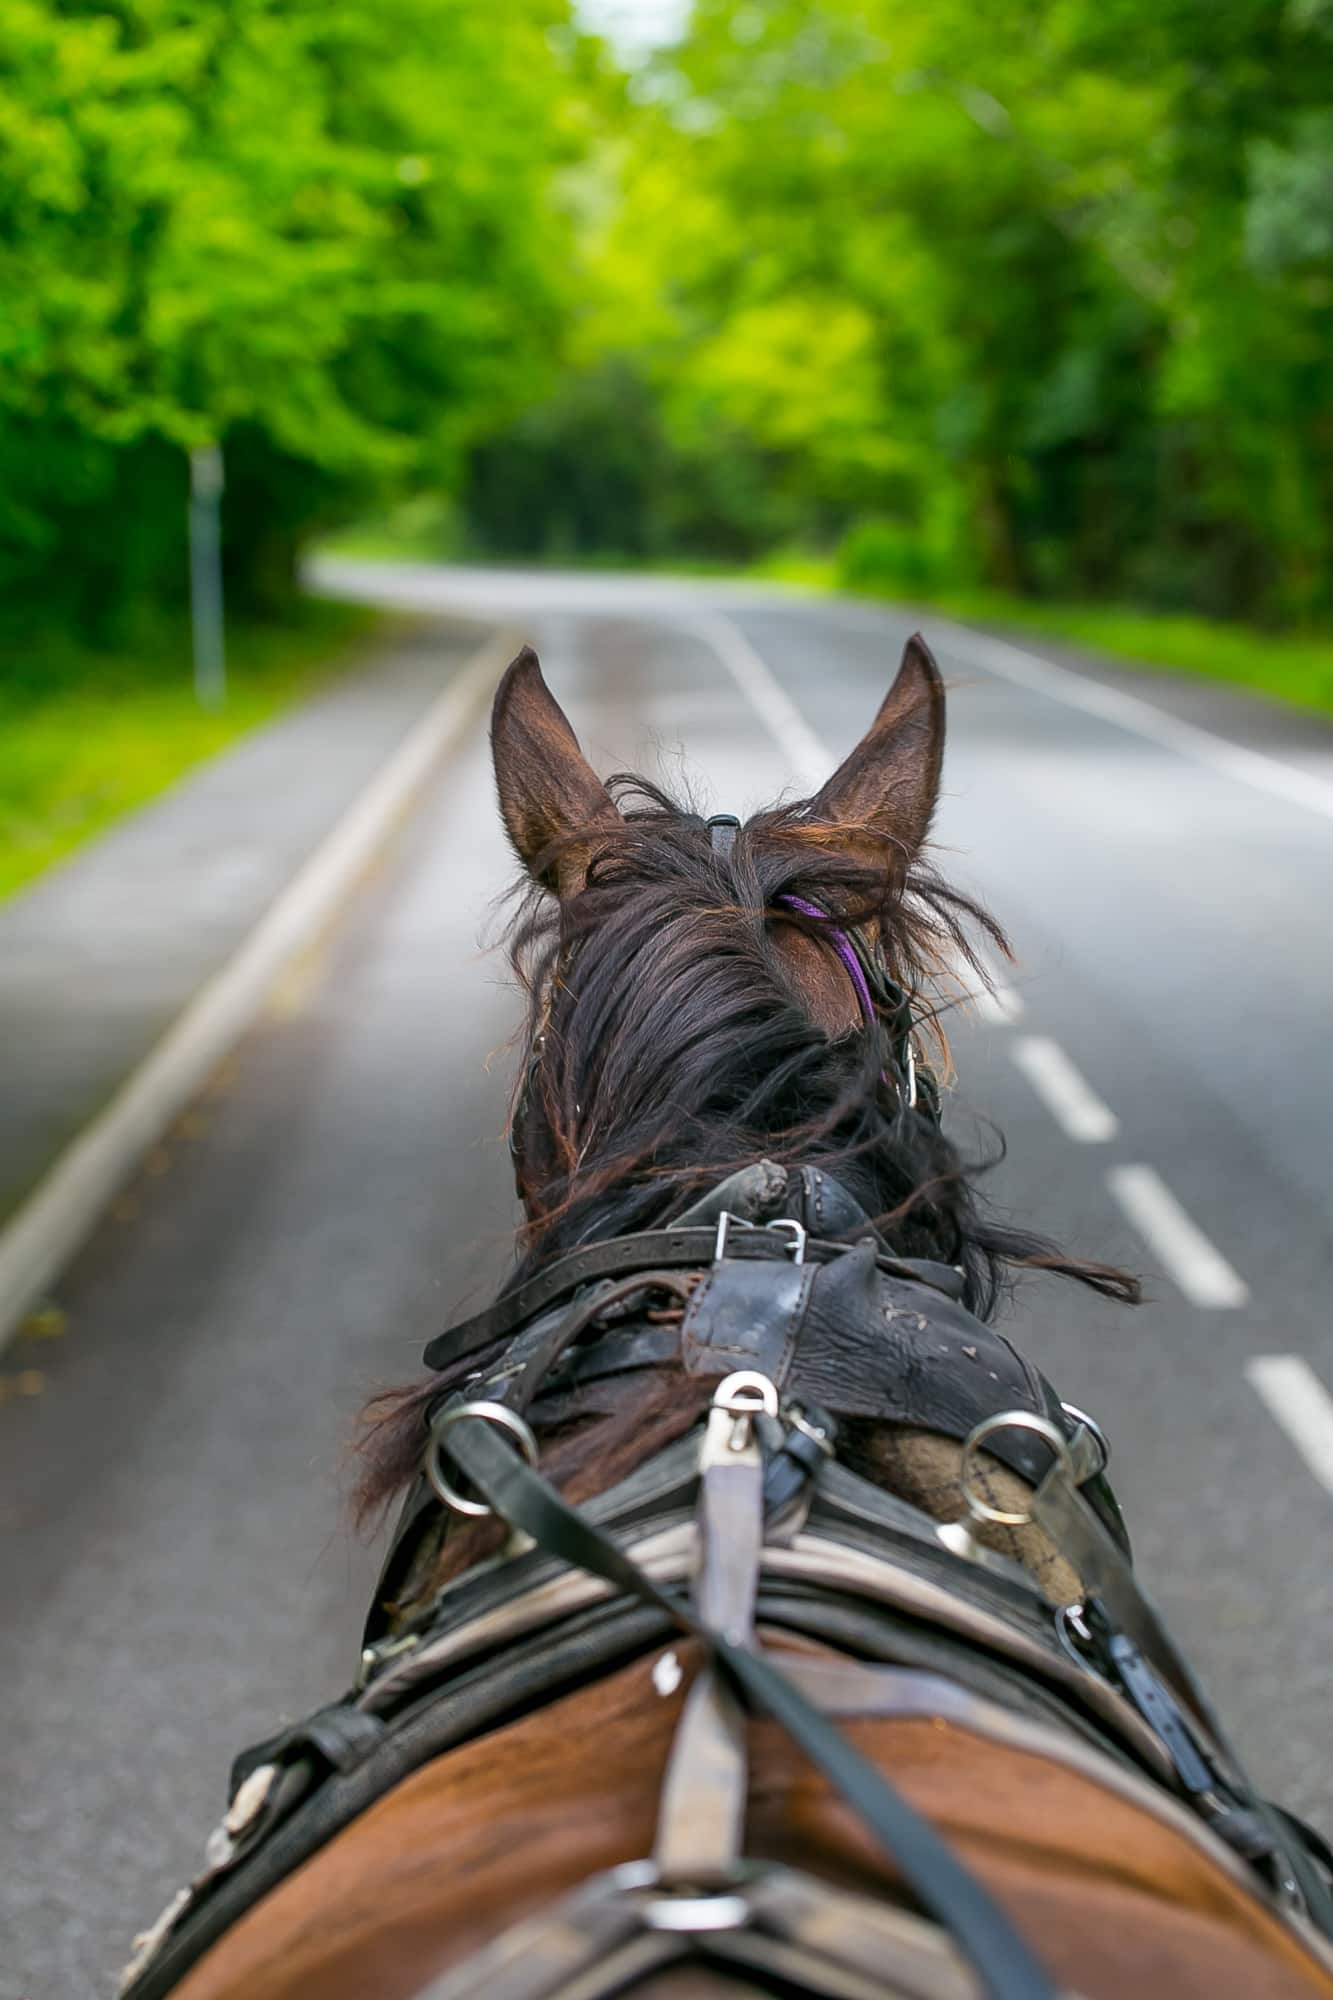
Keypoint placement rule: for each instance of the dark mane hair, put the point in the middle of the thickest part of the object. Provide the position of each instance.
(665, 1045)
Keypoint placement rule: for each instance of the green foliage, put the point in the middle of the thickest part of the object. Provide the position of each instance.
(1035, 299)
(597, 468)
(320, 231)
(1039, 296)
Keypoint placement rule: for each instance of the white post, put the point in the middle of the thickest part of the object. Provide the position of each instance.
(206, 614)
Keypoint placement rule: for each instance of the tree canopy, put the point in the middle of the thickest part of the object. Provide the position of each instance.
(318, 231)
(1036, 297)
(1031, 297)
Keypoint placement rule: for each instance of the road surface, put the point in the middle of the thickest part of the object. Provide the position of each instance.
(178, 1569)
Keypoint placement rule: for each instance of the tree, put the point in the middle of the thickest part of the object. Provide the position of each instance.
(1042, 292)
(321, 232)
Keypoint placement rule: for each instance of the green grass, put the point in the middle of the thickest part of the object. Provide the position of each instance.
(1290, 667)
(87, 735)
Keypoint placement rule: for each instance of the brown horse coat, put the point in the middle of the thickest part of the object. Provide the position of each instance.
(1116, 1901)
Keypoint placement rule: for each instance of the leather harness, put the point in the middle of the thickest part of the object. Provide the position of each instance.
(788, 1294)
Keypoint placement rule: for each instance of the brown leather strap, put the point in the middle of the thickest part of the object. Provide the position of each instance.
(796, 1932)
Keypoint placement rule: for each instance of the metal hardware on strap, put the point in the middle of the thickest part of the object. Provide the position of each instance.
(794, 1469)
(742, 1396)
(1084, 1423)
(682, 1246)
(491, 1413)
(785, 1224)
(771, 1929)
(1004, 1420)
(722, 831)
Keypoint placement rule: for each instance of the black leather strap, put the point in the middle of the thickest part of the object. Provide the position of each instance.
(647, 1249)
(800, 1458)
(1003, 1961)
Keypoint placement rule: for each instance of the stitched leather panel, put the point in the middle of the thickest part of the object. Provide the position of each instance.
(746, 1315)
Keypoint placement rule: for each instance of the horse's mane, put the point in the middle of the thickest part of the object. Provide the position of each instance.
(665, 1046)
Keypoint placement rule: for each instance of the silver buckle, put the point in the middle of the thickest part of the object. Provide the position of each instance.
(784, 1224)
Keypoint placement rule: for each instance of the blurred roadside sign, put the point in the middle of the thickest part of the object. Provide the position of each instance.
(206, 613)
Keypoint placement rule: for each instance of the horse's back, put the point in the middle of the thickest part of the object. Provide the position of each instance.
(1114, 1898)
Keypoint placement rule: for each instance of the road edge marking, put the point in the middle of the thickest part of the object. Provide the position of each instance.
(1132, 712)
(1188, 1258)
(50, 1224)
(1064, 1090)
(1297, 1400)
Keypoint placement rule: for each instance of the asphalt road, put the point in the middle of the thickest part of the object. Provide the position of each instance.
(178, 1569)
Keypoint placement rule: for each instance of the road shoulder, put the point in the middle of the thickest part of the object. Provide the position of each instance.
(126, 973)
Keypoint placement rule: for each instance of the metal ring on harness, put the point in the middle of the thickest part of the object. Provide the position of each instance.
(1024, 1420)
(491, 1413)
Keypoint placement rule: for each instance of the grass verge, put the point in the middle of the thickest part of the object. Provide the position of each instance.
(1296, 668)
(87, 735)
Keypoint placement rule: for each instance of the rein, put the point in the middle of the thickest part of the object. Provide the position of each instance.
(752, 1519)
(785, 1301)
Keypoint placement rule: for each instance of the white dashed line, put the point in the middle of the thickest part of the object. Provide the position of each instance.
(810, 760)
(1202, 1273)
(1001, 1004)
(1072, 1102)
(1297, 1399)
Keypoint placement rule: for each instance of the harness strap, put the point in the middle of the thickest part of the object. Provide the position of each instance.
(681, 1248)
(701, 1818)
(1128, 1637)
(942, 1885)
(787, 1930)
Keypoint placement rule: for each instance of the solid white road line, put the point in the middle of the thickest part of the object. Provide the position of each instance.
(1298, 1400)
(1202, 1273)
(811, 761)
(1070, 1099)
(43, 1234)
(1130, 711)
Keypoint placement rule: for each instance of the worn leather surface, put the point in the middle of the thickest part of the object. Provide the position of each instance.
(733, 1322)
(863, 1344)
(686, 1244)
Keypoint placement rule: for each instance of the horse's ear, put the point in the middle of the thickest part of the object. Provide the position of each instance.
(548, 791)
(891, 781)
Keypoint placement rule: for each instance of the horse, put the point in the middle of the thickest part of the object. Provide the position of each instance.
(758, 1619)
